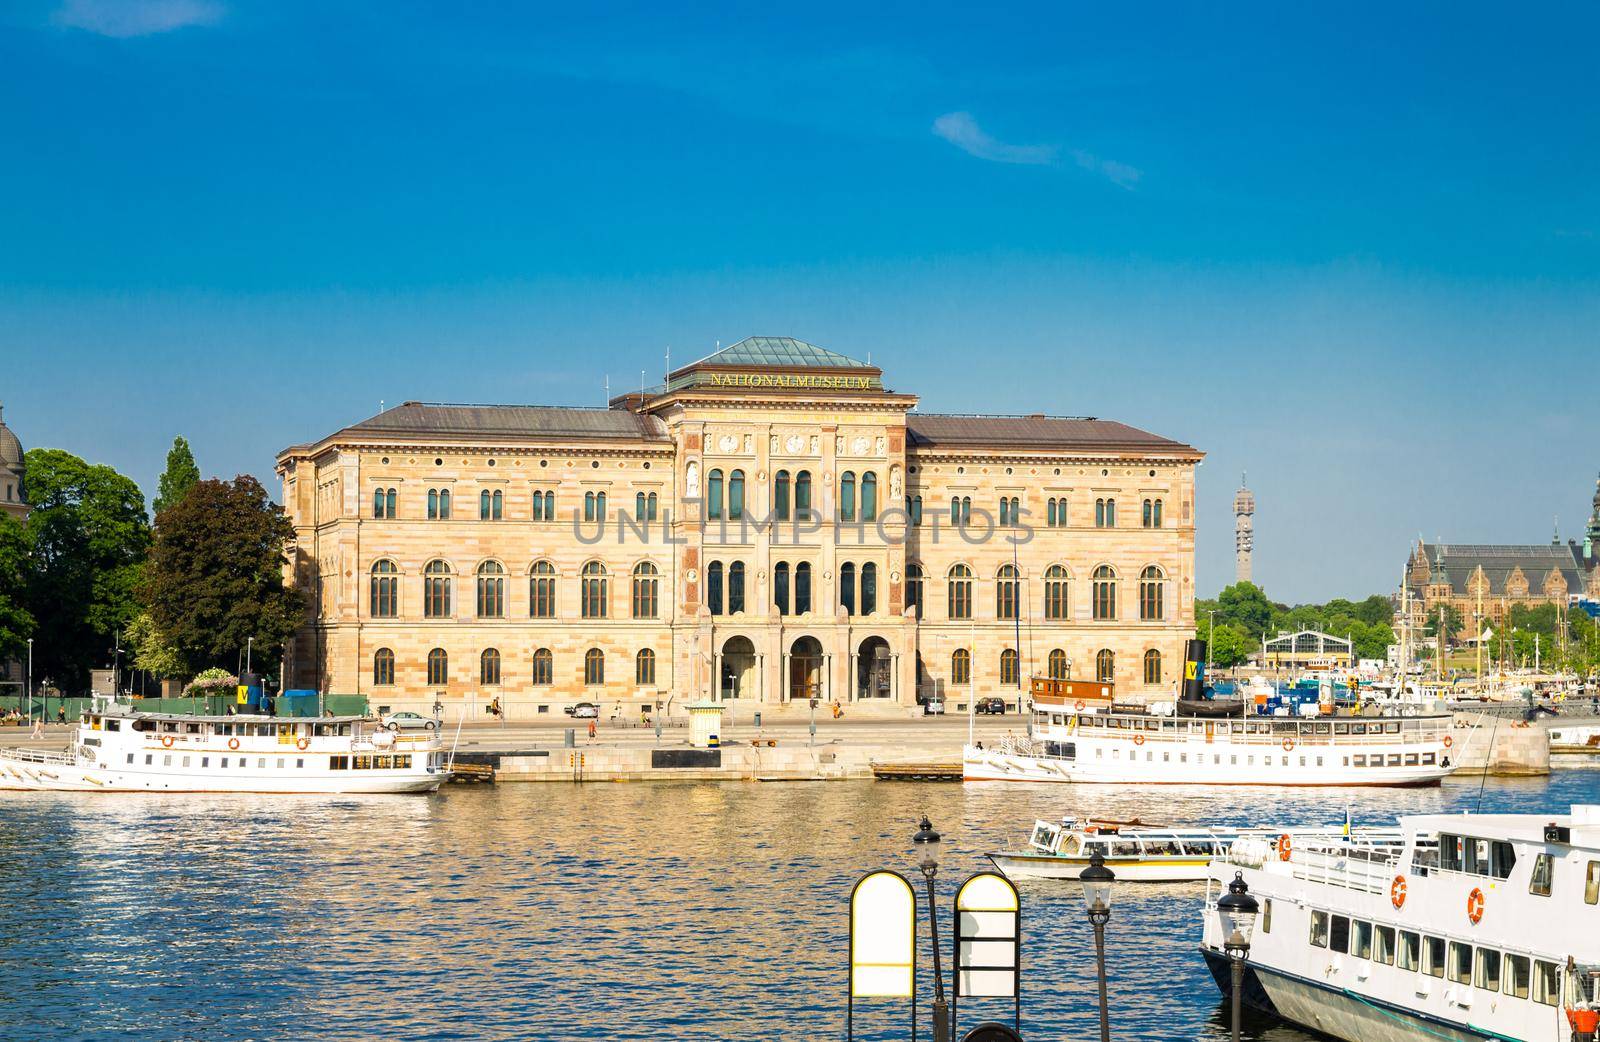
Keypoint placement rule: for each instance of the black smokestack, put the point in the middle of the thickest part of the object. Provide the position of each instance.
(1194, 670)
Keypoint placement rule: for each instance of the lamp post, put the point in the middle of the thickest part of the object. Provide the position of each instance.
(1211, 635)
(28, 695)
(926, 841)
(1097, 880)
(249, 643)
(1237, 910)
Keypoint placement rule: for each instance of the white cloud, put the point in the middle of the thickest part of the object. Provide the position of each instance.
(962, 131)
(1117, 173)
(124, 18)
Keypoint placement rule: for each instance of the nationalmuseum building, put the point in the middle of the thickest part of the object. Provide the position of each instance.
(772, 525)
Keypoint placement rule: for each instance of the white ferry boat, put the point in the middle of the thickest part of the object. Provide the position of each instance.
(1137, 852)
(118, 749)
(1476, 930)
(1081, 735)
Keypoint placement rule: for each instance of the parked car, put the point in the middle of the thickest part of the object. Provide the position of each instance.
(933, 706)
(990, 706)
(583, 711)
(408, 722)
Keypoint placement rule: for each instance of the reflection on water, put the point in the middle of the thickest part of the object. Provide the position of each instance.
(694, 911)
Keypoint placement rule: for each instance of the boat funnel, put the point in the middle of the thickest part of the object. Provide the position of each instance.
(1194, 670)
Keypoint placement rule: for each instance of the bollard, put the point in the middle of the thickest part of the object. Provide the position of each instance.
(572, 737)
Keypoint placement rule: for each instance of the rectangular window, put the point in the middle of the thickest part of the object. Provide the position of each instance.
(1544, 983)
(1488, 969)
(261, 762)
(1539, 881)
(205, 761)
(1460, 962)
(1363, 945)
(1383, 945)
(130, 757)
(1266, 915)
(1433, 956)
(224, 763)
(1410, 955)
(338, 763)
(299, 763)
(1591, 883)
(1518, 971)
(1319, 929)
(1339, 933)
(147, 759)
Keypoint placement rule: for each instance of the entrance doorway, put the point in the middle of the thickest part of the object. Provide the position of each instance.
(874, 669)
(805, 669)
(738, 669)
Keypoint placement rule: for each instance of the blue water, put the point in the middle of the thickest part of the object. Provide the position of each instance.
(692, 911)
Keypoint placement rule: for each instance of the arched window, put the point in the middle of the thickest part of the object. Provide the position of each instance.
(1100, 513)
(542, 590)
(650, 504)
(714, 575)
(780, 587)
(736, 495)
(377, 501)
(491, 590)
(1057, 606)
(592, 584)
(961, 667)
(1147, 514)
(1152, 666)
(1157, 515)
(1010, 667)
(914, 509)
(383, 502)
(489, 667)
(847, 587)
(966, 510)
(544, 506)
(438, 667)
(1050, 512)
(439, 504)
(600, 505)
(544, 671)
(869, 496)
(802, 588)
(735, 587)
(1058, 664)
(646, 590)
(594, 667)
(383, 667)
(802, 493)
(780, 495)
(869, 588)
(714, 494)
(385, 590)
(491, 505)
(914, 591)
(588, 506)
(1010, 511)
(955, 510)
(639, 507)
(1105, 666)
(1103, 593)
(960, 580)
(1006, 590)
(1151, 584)
(644, 668)
(436, 590)
(847, 496)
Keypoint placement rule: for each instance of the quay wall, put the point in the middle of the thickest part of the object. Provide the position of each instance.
(1486, 745)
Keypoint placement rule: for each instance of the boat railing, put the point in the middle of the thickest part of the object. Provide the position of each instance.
(37, 756)
(1355, 867)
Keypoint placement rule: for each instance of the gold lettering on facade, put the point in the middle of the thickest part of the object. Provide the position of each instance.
(806, 380)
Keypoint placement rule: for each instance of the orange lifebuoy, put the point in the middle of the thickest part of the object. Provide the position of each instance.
(166, 740)
(1138, 739)
(303, 744)
(1285, 848)
(1448, 741)
(1288, 743)
(1475, 906)
(233, 743)
(1397, 891)
(1079, 706)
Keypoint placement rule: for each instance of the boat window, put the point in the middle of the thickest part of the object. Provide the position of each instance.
(1341, 728)
(1383, 945)
(1460, 962)
(299, 763)
(1428, 759)
(1475, 856)
(113, 725)
(1391, 727)
(1591, 883)
(1394, 759)
(1057, 719)
(192, 728)
(185, 761)
(338, 763)
(1539, 882)
(205, 761)
(1152, 725)
(1359, 761)
(1266, 915)
(1376, 761)
(1411, 759)
(1433, 956)
(1488, 969)
(1502, 857)
(1093, 847)
(1517, 973)
(1319, 929)
(1450, 852)
(1125, 848)
(224, 763)
(1339, 933)
(1545, 988)
(1410, 954)
(1363, 937)
(1319, 728)
(1358, 728)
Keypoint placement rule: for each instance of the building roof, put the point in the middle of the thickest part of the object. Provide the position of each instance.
(942, 430)
(10, 448)
(784, 352)
(512, 421)
(1459, 561)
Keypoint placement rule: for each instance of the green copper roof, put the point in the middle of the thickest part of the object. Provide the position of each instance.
(780, 351)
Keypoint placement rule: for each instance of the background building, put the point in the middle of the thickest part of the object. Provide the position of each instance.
(13, 471)
(1244, 537)
(1308, 648)
(769, 526)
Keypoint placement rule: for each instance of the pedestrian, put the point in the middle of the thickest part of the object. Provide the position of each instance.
(38, 727)
(591, 730)
(61, 714)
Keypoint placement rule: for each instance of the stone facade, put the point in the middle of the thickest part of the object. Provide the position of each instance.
(1033, 494)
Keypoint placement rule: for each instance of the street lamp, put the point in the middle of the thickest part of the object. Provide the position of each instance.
(1097, 880)
(926, 844)
(28, 695)
(1237, 910)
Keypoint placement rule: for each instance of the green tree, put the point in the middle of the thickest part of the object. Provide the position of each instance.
(180, 476)
(1230, 646)
(215, 575)
(16, 622)
(1245, 606)
(151, 651)
(87, 536)
(1452, 623)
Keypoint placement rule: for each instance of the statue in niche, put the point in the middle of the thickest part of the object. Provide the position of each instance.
(749, 443)
(881, 445)
(692, 483)
(894, 482)
(816, 444)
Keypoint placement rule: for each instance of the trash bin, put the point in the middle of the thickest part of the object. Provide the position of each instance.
(572, 737)
(758, 719)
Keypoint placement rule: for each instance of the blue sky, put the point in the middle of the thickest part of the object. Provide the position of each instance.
(1354, 251)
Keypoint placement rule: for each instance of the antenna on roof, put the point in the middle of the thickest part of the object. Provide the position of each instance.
(669, 365)
(869, 357)
(608, 388)
(380, 404)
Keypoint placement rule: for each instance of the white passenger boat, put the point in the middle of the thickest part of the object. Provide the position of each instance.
(1579, 740)
(1138, 852)
(1479, 928)
(1081, 735)
(118, 749)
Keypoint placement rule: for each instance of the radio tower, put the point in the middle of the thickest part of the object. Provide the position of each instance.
(1244, 508)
